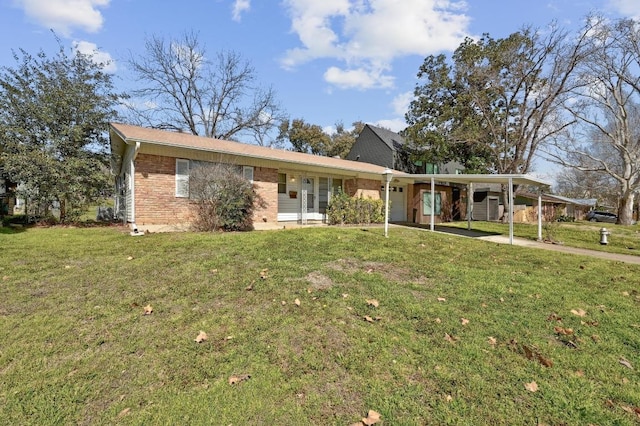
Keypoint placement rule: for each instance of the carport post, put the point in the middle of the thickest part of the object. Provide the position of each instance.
(539, 215)
(387, 175)
(511, 201)
(433, 203)
(469, 204)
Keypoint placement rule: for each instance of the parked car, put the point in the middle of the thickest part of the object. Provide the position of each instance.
(596, 216)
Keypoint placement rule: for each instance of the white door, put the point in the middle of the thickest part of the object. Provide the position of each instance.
(397, 197)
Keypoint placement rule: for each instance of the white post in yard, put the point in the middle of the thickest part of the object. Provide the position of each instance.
(511, 201)
(539, 215)
(387, 175)
(433, 203)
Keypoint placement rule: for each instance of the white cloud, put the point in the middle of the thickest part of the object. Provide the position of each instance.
(240, 6)
(401, 103)
(628, 8)
(88, 48)
(367, 35)
(394, 124)
(63, 16)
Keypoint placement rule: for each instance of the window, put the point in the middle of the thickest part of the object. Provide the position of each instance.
(247, 172)
(282, 183)
(432, 169)
(336, 186)
(182, 178)
(426, 207)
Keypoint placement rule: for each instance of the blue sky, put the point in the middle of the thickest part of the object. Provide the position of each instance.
(328, 60)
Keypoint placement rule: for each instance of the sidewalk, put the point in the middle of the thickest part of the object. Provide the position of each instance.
(502, 239)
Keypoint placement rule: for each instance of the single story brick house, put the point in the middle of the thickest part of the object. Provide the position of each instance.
(151, 169)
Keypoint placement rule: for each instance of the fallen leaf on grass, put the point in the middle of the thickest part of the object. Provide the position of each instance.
(130, 258)
(345, 295)
(234, 380)
(214, 271)
(449, 338)
(449, 398)
(148, 310)
(625, 362)
(441, 299)
(263, 274)
(590, 323)
(531, 387)
(438, 320)
(545, 361)
(554, 317)
(464, 321)
(297, 302)
(283, 303)
(578, 312)
(202, 336)
(492, 341)
(625, 293)
(124, 412)
(563, 331)
(372, 418)
(632, 410)
(367, 318)
(373, 302)
(67, 267)
(250, 286)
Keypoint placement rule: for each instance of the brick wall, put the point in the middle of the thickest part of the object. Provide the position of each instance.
(157, 204)
(366, 188)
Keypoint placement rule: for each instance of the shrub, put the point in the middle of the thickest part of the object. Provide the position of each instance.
(223, 198)
(346, 210)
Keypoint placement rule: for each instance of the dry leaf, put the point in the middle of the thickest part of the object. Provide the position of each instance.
(124, 412)
(283, 303)
(202, 336)
(625, 293)
(234, 380)
(297, 302)
(214, 271)
(441, 299)
(369, 271)
(563, 331)
(367, 318)
(449, 338)
(373, 302)
(345, 295)
(464, 321)
(531, 387)
(372, 418)
(579, 373)
(438, 320)
(578, 312)
(148, 310)
(130, 258)
(492, 341)
(250, 286)
(625, 362)
(263, 274)
(449, 398)
(502, 299)
(554, 317)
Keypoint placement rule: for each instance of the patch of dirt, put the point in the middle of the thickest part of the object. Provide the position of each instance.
(388, 271)
(319, 281)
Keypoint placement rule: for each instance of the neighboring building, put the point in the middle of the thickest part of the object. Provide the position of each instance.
(151, 169)
(526, 209)
(386, 148)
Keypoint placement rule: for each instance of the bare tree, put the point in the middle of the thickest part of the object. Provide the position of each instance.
(184, 89)
(606, 107)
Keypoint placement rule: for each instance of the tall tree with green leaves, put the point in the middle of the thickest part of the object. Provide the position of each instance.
(54, 115)
(496, 101)
(312, 139)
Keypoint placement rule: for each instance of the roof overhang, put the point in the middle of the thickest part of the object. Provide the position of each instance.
(515, 179)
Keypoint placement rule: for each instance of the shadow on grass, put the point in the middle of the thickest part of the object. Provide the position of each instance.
(451, 230)
(10, 230)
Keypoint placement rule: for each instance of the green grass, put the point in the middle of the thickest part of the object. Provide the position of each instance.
(623, 239)
(75, 347)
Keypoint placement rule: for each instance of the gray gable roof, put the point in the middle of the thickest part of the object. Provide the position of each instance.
(391, 139)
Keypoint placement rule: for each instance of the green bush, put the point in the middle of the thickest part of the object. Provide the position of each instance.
(346, 210)
(223, 198)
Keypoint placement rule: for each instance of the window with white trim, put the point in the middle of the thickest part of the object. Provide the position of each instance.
(247, 172)
(426, 207)
(182, 178)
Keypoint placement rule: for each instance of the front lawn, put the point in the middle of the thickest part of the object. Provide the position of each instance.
(311, 326)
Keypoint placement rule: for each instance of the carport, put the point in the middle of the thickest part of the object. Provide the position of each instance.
(506, 179)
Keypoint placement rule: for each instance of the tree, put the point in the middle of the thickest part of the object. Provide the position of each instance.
(54, 115)
(312, 139)
(605, 105)
(497, 101)
(183, 89)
